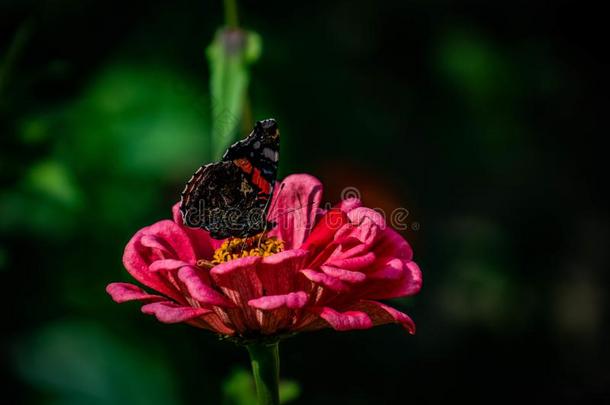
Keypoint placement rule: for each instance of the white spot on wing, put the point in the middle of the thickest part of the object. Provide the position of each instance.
(270, 154)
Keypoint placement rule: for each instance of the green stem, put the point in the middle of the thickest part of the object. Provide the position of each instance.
(265, 361)
(231, 13)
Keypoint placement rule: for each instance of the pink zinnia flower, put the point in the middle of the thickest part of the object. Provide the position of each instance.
(317, 268)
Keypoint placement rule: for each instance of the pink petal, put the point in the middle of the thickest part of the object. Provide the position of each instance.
(197, 287)
(391, 269)
(224, 272)
(176, 214)
(278, 272)
(295, 208)
(344, 275)
(170, 312)
(365, 226)
(238, 277)
(324, 280)
(137, 258)
(349, 204)
(213, 322)
(286, 257)
(167, 265)
(292, 300)
(172, 236)
(239, 281)
(409, 284)
(154, 242)
(356, 250)
(324, 231)
(382, 314)
(123, 292)
(391, 243)
(353, 263)
(363, 215)
(343, 321)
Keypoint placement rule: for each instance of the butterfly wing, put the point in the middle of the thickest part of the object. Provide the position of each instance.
(258, 157)
(259, 151)
(220, 199)
(231, 198)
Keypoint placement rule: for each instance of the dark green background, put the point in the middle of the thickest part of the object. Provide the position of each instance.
(482, 118)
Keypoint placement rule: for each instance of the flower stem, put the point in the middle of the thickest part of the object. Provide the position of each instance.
(231, 19)
(265, 361)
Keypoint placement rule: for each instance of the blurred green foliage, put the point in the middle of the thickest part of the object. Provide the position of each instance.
(230, 55)
(133, 126)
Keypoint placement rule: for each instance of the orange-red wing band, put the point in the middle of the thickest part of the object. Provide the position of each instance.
(260, 181)
(244, 165)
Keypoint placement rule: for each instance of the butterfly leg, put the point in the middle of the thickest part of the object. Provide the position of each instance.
(260, 236)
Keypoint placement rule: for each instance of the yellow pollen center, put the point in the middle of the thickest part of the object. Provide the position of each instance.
(235, 248)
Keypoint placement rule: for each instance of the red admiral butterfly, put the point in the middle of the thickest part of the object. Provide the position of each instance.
(231, 198)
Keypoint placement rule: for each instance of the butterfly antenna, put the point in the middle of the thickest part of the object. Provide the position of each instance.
(260, 237)
(270, 209)
(276, 199)
(297, 208)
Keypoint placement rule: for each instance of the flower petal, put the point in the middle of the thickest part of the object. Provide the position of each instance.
(295, 208)
(343, 321)
(123, 292)
(391, 243)
(194, 281)
(390, 269)
(365, 225)
(163, 240)
(154, 242)
(324, 280)
(353, 263)
(173, 237)
(167, 265)
(362, 215)
(344, 275)
(239, 281)
(212, 321)
(324, 232)
(291, 300)
(349, 204)
(239, 278)
(170, 312)
(278, 272)
(382, 314)
(409, 284)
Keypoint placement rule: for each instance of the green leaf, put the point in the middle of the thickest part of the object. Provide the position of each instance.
(229, 56)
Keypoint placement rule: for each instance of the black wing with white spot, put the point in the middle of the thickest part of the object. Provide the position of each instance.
(261, 148)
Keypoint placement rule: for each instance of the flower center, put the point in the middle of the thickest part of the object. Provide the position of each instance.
(259, 245)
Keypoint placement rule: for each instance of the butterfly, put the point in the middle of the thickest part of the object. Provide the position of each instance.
(230, 198)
